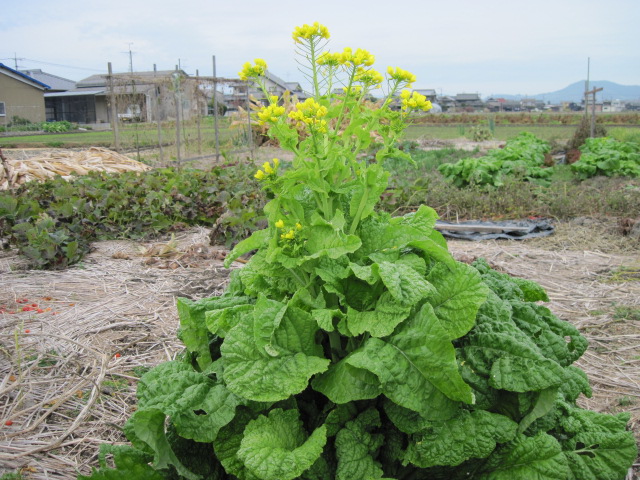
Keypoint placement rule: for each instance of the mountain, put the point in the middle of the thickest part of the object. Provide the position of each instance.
(575, 92)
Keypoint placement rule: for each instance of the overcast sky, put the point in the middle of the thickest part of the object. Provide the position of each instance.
(453, 46)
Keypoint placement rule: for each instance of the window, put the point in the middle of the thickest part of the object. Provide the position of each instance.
(2, 111)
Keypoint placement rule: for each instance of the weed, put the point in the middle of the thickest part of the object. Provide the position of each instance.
(625, 401)
(625, 313)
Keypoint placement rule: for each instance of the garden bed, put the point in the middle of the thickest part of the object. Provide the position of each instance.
(68, 374)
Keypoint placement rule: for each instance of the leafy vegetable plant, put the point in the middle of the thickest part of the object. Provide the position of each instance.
(352, 346)
(521, 157)
(607, 156)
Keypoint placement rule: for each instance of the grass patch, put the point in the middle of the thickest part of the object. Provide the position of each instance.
(627, 313)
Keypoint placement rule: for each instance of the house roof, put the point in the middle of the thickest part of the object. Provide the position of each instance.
(427, 92)
(100, 80)
(54, 82)
(76, 93)
(22, 77)
(467, 96)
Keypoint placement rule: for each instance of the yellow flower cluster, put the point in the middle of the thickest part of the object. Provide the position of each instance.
(359, 58)
(414, 101)
(252, 71)
(307, 32)
(369, 77)
(289, 235)
(401, 75)
(329, 59)
(267, 169)
(310, 113)
(270, 113)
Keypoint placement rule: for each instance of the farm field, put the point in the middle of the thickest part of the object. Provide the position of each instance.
(69, 374)
(75, 341)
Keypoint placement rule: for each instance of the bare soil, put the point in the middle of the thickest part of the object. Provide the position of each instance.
(68, 374)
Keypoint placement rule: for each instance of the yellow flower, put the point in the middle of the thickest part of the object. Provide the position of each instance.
(310, 113)
(369, 77)
(280, 224)
(298, 226)
(414, 101)
(329, 59)
(289, 235)
(270, 114)
(276, 162)
(260, 175)
(267, 168)
(401, 75)
(253, 71)
(360, 58)
(307, 32)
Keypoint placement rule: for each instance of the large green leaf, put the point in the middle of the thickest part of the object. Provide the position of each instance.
(510, 359)
(130, 463)
(255, 241)
(467, 435)
(417, 366)
(276, 447)
(538, 457)
(405, 285)
(381, 321)
(177, 391)
(460, 292)
(356, 446)
(279, 371)
(193, 329)
(228, 443)
(343, 383)
(146, 429)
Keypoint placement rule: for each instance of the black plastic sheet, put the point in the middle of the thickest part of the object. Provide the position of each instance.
(510, 230)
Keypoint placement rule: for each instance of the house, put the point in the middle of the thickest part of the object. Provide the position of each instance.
(20, 96)
(139, 96)
(469, 102)
(60, 105)
(239, 90)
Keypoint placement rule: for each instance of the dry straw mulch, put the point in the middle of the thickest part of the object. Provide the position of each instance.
(69, 384)
(65, 163)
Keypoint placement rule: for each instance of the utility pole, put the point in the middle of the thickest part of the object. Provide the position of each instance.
(130, 57)
(593, 108)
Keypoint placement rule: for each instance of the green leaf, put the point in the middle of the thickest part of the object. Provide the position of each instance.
(193, 327)
(343, 383)
(406, 285)
(545, 401)
(221, 320)
(605, 456)
(177, 391)
(130, 463)
(146, 427)
(276, 447)
(417, 366)
(325, 240)
(381, 321)
(454, 441)
(510, 360)
(367, 194)
(356, 447)
(537, 457)
(228, 443)
(254, 374)
(460, 292)
(257, 239)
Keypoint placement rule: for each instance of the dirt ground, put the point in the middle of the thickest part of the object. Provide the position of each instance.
(68, 366)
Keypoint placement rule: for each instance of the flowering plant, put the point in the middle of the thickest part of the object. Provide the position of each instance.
(352, 346)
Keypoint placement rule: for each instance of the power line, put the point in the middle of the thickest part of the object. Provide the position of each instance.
(53, 64)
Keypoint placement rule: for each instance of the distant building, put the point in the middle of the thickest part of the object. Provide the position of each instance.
(469, 102)
(274, 85)
(21, 96)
